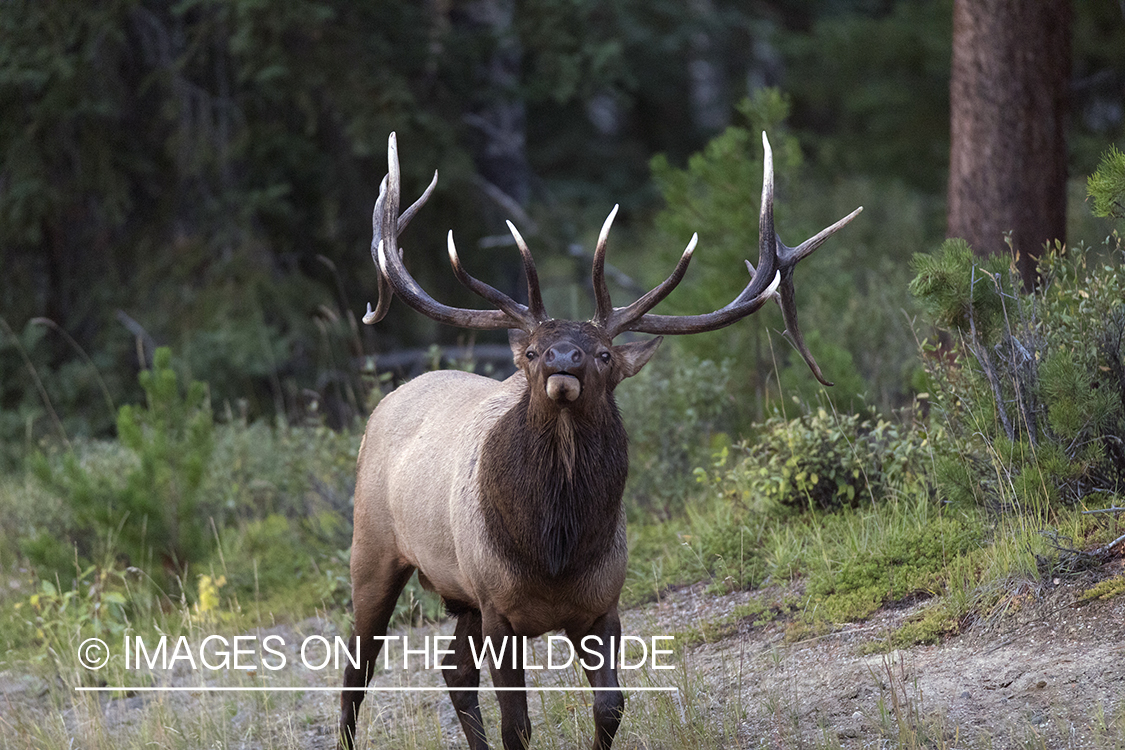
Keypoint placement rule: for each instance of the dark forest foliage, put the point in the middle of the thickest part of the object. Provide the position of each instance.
(199, 174)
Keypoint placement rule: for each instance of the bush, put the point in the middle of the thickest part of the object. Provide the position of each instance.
(275, 554)
(149, 516)
(674, 410)
(296, 471)
(826, 461)
(1031, 387)
(1107, 185)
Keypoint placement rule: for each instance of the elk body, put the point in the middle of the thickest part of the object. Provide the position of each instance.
(506, 496)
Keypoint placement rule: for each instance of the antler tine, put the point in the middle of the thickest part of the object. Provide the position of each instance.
(414, 296)
(773, 278)
(393, 197)
(741, 307)
(786, 301)
(603, 305)
(788, 304)
(623, 317)
(383, 301)
(495, 296)
(786, 297)
(791, 255)
(408, 214)
(767, 235)
(534, 295)
(395, 279)
(377, 219)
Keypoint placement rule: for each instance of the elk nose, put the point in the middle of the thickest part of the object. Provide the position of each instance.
(563, 356)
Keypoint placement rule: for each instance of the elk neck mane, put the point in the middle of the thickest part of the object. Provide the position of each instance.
(551, 482)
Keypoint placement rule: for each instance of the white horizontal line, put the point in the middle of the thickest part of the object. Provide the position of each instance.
(290, 689)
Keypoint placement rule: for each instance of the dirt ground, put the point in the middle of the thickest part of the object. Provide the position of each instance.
(1042, 672)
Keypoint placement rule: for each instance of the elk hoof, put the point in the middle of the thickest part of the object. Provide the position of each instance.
(562, 387)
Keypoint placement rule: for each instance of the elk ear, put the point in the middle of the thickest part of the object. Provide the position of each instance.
(517, 339)
(635, 354)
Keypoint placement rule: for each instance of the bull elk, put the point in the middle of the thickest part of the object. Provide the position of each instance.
(506, 496)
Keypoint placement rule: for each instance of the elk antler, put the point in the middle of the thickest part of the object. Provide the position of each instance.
(386, 225)
(773, 278)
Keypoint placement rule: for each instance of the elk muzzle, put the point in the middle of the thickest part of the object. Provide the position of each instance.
(560, 362)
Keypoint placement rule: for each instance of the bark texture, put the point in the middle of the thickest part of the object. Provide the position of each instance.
(1008, 98)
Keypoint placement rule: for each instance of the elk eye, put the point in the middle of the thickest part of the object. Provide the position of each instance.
(605, 357)
(530, 354)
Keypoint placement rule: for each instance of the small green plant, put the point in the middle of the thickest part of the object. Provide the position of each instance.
(1107, 589)
(97, 600)
(825, 460)
(1031, 388)
(1107, 185)
(676, 410)
(102, 602)
(149, 517)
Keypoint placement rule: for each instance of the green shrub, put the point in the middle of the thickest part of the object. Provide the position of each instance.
(149, 515)
(826, 461)
(959, 291)
(277, 555)
(674, 409)
(99, 600)
(294, 470)
(1031, 388)
(1107, 185)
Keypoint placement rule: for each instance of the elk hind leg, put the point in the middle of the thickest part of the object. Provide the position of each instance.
(374, 594)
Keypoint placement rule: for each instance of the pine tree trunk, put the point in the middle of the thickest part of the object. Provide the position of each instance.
(1008, 99)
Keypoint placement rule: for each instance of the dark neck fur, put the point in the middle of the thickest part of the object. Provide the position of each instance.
(551, 482)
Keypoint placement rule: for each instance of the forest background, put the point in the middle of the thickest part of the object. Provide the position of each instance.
(200, 175)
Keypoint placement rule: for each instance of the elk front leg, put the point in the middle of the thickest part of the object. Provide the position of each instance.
(608, 704)
(461, 672)
(515, 726)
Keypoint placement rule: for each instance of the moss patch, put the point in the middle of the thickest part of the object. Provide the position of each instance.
(905, 561)
(1105, 590)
